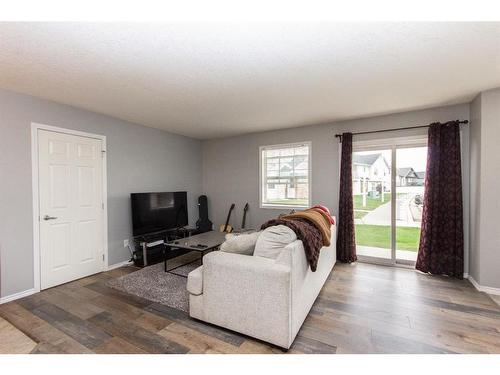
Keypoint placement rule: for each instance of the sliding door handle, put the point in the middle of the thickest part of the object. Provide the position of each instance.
(47, 217)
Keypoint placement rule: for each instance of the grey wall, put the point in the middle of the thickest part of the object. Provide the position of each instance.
(485, 162)
(231, 165)
(490, 183)
(475, 188)
(138, 159)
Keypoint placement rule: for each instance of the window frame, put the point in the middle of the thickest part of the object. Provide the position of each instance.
(262, 177)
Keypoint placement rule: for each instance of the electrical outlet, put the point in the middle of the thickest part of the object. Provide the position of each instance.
(125, 243)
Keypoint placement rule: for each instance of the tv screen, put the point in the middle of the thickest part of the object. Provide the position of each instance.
(153, 212)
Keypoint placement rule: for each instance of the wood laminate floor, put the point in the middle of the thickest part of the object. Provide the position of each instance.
(362, 309)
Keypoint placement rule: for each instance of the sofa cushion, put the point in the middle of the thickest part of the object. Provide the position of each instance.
(272, 241)
(195, 281)
(243, 243)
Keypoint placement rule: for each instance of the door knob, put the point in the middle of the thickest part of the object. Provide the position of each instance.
(47, 217)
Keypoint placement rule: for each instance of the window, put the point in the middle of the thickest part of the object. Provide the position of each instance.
(285, 175)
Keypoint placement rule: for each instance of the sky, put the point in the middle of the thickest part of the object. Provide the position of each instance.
(415, 157)
(412, 157)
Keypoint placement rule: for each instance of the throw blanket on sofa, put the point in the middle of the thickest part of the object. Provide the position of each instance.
(306, 232)
(319, 218)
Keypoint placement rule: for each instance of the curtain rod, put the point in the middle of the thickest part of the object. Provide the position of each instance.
(391, 130)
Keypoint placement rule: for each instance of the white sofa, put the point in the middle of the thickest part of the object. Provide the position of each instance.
(268, 299)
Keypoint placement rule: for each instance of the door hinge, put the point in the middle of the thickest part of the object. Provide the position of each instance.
(103, 257)
(102, 204)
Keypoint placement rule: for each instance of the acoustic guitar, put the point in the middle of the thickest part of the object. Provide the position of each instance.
(245, 209)
(226, 227)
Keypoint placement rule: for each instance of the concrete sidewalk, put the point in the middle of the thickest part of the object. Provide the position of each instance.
(382, 216)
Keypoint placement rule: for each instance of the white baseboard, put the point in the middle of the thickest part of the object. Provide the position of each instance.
(15, 296)
(482, 288)
(118, 265)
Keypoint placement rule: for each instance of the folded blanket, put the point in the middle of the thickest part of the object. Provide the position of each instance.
(307, 232)
(319, 218)
(327, 211)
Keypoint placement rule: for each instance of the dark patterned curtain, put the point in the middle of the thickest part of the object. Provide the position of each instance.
(441, 249)
(346, 244)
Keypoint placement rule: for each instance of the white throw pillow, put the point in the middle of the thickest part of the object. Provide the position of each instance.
(272, 241)
(243, 243)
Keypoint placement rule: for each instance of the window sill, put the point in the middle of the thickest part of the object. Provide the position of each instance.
(282, 207)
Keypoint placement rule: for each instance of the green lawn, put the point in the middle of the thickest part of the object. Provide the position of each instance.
(371, 203)
(407, 238)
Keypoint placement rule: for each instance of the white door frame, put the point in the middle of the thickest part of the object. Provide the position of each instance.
(35, 188)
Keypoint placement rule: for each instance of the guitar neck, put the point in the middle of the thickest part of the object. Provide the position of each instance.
(243, 222)
(228, 217)
(227, 221)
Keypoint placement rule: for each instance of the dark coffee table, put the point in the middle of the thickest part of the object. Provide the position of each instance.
(202, 243)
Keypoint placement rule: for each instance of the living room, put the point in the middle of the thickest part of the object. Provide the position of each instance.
(255, 187)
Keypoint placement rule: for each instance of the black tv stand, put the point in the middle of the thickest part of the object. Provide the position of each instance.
(149, 247)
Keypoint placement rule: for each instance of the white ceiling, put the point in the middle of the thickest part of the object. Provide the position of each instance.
(209, 80)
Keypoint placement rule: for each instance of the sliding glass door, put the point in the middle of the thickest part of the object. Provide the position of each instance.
(388, 190)
(410, 178)
(371, 185)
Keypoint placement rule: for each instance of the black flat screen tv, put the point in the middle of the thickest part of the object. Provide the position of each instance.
(154, 212)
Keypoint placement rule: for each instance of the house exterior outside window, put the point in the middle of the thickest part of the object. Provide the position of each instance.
(408, 177)
(285, 175)
(370, 172)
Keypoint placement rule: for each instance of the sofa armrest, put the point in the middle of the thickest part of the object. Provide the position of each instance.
(248, 294)
(195, 281)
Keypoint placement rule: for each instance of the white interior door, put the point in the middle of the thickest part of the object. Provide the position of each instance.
(70, 206)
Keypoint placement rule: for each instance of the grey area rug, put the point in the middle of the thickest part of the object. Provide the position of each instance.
(153, 284)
